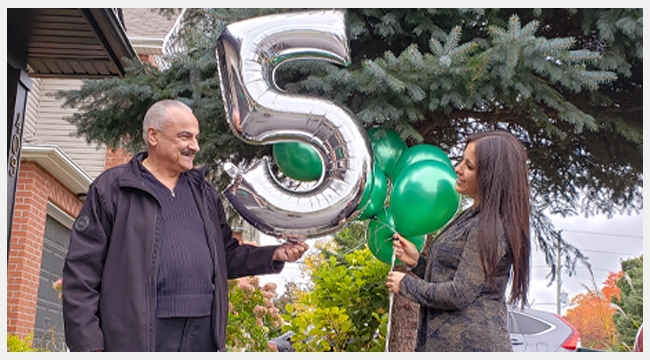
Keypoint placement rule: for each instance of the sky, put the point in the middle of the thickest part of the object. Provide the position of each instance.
(604, 241)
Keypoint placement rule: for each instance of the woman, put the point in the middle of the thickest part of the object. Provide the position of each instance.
(461, 286)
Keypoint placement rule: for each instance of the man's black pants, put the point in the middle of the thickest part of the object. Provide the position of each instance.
(185, 334)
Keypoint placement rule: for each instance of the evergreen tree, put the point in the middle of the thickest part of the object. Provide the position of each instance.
(629, 314)
(568, 82)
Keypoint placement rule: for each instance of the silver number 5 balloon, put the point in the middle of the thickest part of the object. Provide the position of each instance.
(261, 113)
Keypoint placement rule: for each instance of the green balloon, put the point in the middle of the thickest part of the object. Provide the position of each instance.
(378, 195)
(380, 237)
(298, 160)
(416, 154)
(367, 189)
(386, 147)
(424, 198)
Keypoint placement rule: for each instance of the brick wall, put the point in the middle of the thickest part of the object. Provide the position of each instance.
(116, 157)
(148, 59)
(35, 188)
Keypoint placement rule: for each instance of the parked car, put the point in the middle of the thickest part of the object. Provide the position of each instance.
(283, 342)
(533, 330)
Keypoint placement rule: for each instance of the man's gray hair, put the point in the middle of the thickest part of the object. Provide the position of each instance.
(157, 116)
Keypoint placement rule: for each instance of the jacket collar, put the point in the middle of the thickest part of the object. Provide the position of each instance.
(133, 175)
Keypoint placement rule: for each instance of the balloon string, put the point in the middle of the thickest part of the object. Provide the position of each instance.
(390, 303)
(390, 295)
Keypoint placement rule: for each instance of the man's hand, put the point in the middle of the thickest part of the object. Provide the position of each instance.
(290, 251)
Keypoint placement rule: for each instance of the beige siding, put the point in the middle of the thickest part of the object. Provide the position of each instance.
(52, 128)
(31, 111)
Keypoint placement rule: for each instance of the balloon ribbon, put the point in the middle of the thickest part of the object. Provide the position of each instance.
(390, 302)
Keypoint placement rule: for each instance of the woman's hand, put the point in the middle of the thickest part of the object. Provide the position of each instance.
(393, 280)
(405, 250)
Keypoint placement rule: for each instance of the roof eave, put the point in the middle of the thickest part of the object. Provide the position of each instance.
(59, 165)
(117, 43)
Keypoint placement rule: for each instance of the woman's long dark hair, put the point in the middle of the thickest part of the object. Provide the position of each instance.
(504, 197)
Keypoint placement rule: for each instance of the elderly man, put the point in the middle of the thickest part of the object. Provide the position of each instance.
(150, 251)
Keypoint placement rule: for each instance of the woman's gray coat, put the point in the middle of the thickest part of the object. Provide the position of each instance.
(458, 310)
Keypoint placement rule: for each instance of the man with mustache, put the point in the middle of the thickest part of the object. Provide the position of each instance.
(150, 251)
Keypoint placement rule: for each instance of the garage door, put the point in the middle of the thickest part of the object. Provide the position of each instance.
(48, 330)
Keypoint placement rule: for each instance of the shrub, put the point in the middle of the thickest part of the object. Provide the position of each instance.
(20, 344)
